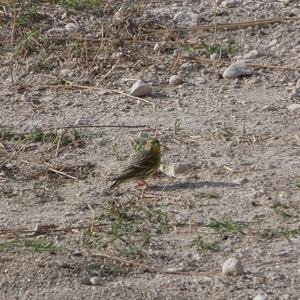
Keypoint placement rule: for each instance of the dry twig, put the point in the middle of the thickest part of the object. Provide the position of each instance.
(257, 66)
(150, 269)
(87, 87)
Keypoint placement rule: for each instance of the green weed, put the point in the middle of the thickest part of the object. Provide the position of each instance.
(226, 226)
(38, 245)
(203, 246)
(223, 51)
(79, 4)
(27, 42)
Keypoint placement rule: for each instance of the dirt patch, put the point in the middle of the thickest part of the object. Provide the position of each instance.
(68, 126)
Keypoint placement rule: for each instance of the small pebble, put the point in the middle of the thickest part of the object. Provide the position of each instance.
(235, 70)
(175, 80)
(178, 169)
(294, 107)
(66, 72)
(91, 280)
(71, 27)
(295, 93)
(214, 56)
(187, 18)
(251, 54)
(232, 267)
(140, 89)
(272, 43)
(160, 47)
(229, 3)
(77, 253)
(261, 297)
(56, 30)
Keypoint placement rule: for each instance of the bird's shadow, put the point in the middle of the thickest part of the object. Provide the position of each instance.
(192, 185)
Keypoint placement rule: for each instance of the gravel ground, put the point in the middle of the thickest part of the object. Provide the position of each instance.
(63, 236)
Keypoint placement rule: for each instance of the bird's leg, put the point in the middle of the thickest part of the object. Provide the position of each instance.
(143, 185)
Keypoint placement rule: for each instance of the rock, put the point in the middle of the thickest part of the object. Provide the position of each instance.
(186, 66)
(294, 107)
(77, 253)
(235, 70)
(91, 280)
(66, 72)
(94, 280)
(232, 267)
(261, 297)
(140, 89)
(178, 169)
(175, 80)
(272, 43)
(56, 30)
(214, 56)
(295, 93)
(71, 27)
(117, 55)
(251, 54)
(298, 84)
(187, 18)
(229, 3)
(160, 47)
(295, 12)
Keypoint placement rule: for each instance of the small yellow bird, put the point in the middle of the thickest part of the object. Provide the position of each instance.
(144, 165)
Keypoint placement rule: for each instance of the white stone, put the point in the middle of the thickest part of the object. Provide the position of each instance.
(94, 280)
(294, 107)
(71, 27)
(272, 43)
(232, 267)
(229, 3)
(186, 66)
(214, 56)
(295, 93)
(140, 89)
(251, 54)
(296, 12)
(66, 72)
(117, 55)
(160, 47)
(178, 169)
(175, 80)
(261, 297)
(236, 69)
(56, 30)
(187, 18)
(298, 84)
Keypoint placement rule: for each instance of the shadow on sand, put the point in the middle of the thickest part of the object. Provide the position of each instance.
(192, 185)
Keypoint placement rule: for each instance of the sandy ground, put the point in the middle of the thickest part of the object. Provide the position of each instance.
(241, 198)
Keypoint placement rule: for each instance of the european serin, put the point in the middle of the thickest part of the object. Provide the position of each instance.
(144, 165)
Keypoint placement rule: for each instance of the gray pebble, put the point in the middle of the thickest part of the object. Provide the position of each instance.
(251, 54)
(140, 89)
(66, 72)
(175, 80)
(56, 30)
(71, 27)
(295, 93)
(235, 70)
(294, 107)
(232, 267)
(261, 297)
(229, 3)
(178, 169)
(187, 18)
